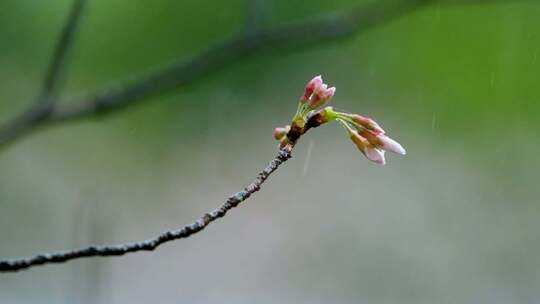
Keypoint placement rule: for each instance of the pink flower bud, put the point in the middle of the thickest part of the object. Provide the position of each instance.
(382, 141)
(330, 92)
(311, 87)
(367, 123)
(391, 145)
(375, 155)
(370, 152)
(320, 89)
(359, 141)
(279, 133)
(321, 95)
(371, 137)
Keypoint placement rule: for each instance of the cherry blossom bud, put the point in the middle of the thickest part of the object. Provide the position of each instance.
(321, 96)
(370, 152)
(367, 123)
(311, 87)
(279, 133)
(316, 98)
(365, 133)
(375, 155)
(391, 145)
(359, 141)
(382, 141)
(329, 93)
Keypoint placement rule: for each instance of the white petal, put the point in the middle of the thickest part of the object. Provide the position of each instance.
(376, 156)
(391, 145)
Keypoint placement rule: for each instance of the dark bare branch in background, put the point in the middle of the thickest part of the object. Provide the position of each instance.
(39, 112)
(65, 41)
(324, 28)
(151, 244)
(330, 26)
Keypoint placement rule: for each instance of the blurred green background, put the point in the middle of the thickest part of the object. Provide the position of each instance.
(455, 221)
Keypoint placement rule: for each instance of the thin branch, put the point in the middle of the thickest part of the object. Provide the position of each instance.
(65, 41)
(328, 27)
(43, 106)
(151, 244)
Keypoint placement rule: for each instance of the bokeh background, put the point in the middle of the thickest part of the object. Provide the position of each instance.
(455, 221)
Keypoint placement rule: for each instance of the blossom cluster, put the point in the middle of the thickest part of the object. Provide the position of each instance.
(365, 133)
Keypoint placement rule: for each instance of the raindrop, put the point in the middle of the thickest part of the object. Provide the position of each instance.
(308, 158)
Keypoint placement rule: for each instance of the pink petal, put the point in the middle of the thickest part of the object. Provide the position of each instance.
(312, 86)
(321, 90)
(330, 92)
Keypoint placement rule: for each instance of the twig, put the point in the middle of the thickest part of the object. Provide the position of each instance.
(43, 106)
(330, 26)
(151, 244)
(65, 41)
(327, 27)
